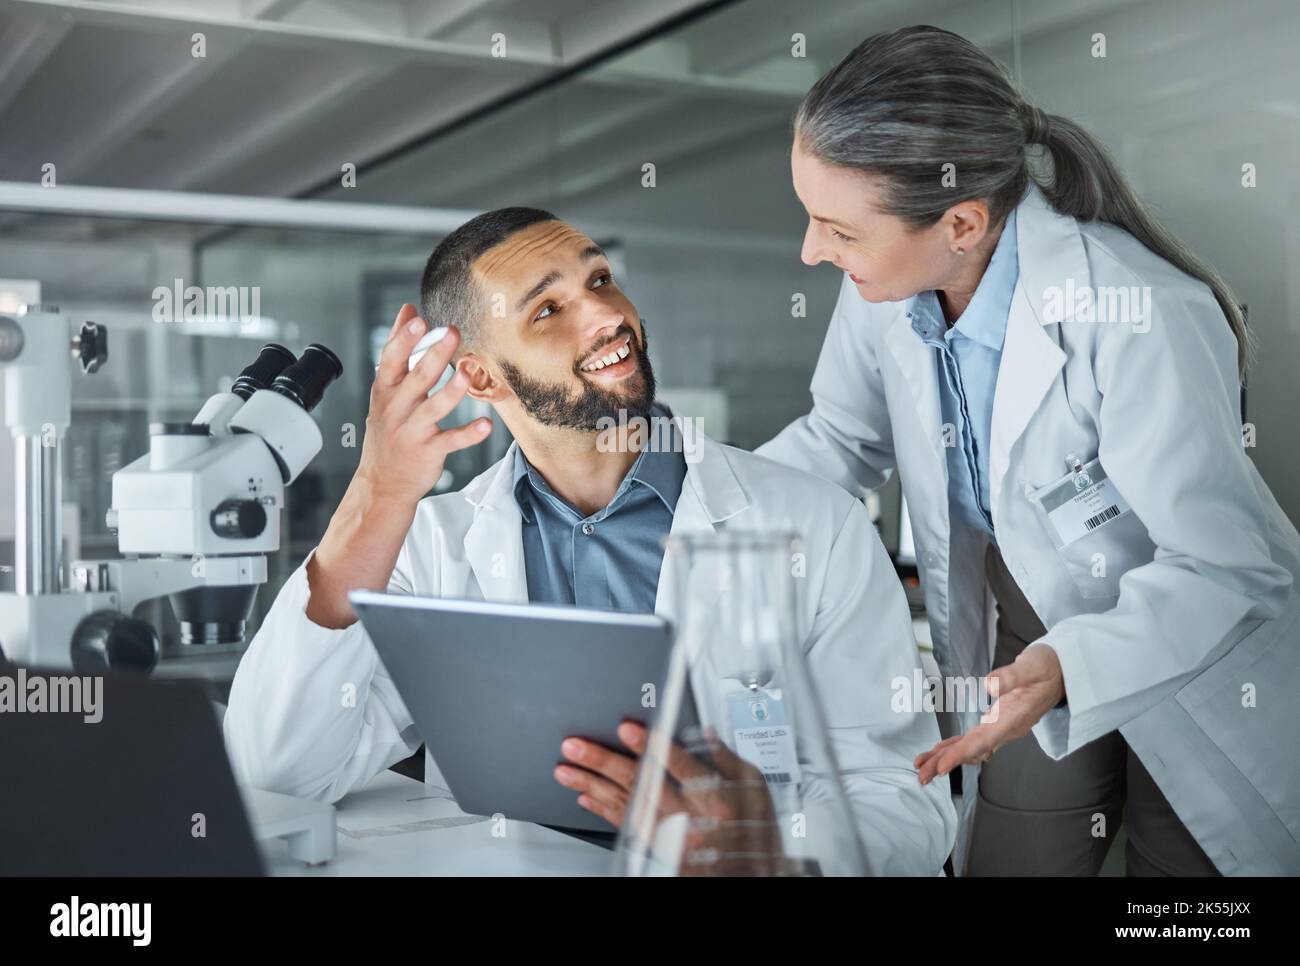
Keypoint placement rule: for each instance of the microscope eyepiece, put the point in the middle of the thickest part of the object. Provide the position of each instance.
(306, 380)
(262, 371)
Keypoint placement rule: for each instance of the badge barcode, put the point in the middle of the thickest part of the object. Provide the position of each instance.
(776, 777)
(1092, 523)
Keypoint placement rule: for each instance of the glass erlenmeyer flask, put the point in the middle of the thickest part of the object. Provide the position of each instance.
(738, 776)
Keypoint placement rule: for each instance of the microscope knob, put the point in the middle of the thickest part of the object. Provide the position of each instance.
(239, 519)
(107, 640)
(92, 346)
(11, 339)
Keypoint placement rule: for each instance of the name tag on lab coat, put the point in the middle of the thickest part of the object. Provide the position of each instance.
(763, 736)
(1081, 503)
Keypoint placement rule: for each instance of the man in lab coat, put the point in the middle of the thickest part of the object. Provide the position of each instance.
(548, 339)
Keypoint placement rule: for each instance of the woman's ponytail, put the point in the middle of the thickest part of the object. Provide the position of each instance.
(903, 104)
(1087, 184)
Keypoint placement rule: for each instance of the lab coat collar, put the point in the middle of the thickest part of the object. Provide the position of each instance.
(709, 478)
(1051, 251)
(494, 543)
(488, 488)
(984, 320)
(1052, 258)
(714, 484)
(711, 494)
(916, 361)
(661, 470)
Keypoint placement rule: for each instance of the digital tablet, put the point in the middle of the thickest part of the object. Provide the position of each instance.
(494, 688)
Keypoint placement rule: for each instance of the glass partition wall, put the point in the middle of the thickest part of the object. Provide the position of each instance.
(674, 155)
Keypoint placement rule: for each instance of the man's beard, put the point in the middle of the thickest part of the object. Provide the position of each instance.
(553, 404)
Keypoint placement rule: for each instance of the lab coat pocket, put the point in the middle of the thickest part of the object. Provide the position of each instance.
(1097, 535)
(1245, 703)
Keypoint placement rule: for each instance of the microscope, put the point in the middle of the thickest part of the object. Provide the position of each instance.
(195, 517)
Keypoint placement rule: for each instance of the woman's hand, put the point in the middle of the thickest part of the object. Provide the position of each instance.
(1023, 691)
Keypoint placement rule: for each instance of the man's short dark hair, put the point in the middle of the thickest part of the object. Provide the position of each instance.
(448, 293)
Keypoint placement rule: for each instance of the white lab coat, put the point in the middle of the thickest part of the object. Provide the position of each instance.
(288, 729)
(1189, 640)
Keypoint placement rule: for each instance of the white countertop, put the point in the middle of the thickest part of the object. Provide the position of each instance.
(398, 826)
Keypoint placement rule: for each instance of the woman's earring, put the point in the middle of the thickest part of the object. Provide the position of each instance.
(961, 251)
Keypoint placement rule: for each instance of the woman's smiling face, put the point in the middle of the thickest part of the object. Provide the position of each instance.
(886, 259)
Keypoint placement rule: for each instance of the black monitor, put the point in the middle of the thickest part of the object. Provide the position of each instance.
(134, 781)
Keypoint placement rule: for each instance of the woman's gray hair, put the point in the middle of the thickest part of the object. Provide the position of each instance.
(904, 104)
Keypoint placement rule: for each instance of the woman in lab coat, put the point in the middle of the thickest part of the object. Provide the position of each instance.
(1057, 380)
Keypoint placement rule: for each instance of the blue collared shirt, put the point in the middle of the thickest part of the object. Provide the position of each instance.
(609, 560)
(968, 356)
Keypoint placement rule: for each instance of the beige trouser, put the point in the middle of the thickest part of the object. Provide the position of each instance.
(1037, 816)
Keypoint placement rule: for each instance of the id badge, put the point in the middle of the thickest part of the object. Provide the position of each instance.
(1083, 502)
(763, 736)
